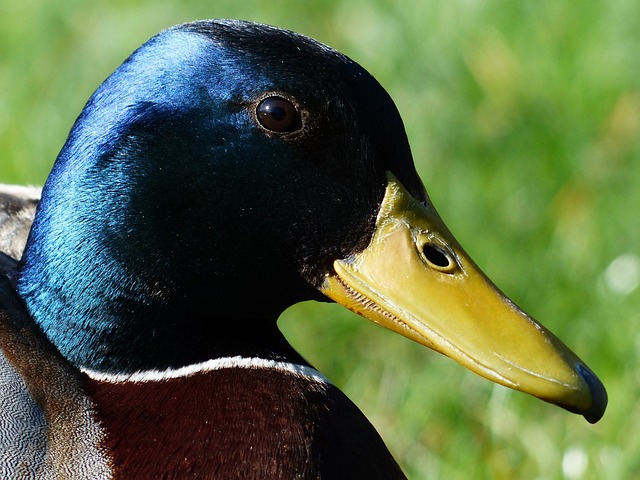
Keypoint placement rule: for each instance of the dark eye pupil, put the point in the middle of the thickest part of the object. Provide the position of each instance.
(278, 115)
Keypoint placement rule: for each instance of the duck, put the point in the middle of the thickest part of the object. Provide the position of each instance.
(224, 172)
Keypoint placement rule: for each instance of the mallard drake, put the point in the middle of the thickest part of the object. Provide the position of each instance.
(225, 171)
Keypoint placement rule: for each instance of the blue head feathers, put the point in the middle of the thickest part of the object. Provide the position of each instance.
(170, 200)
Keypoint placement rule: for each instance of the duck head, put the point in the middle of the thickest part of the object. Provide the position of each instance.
(227, 170)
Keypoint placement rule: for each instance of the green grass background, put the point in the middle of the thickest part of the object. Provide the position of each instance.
(524, 120)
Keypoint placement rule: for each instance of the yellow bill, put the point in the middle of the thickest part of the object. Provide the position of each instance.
(415, 279)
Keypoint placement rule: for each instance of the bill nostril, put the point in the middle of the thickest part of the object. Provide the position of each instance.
(436, 256)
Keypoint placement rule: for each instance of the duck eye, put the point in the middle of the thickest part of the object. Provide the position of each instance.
(278, 115)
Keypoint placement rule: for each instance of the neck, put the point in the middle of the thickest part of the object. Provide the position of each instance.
(125, 284)
(100, 319)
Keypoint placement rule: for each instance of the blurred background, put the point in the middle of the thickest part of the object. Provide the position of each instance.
(524, 121)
